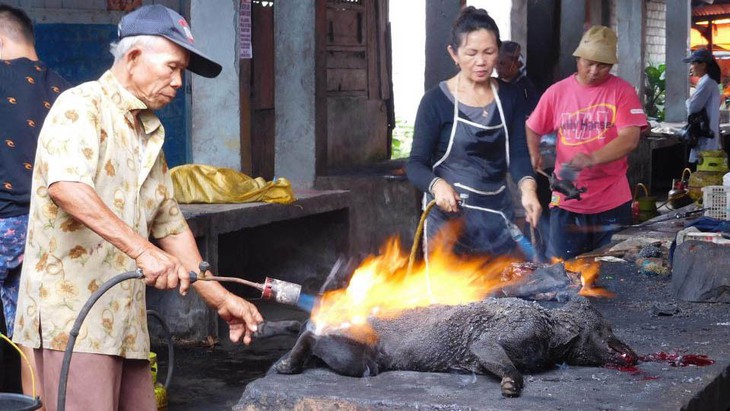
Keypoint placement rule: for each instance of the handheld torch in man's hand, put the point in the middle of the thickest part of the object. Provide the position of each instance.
(564, 184)
(272, 289)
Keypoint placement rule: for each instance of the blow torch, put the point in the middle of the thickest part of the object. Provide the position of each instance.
(272, 289)
(564, 185)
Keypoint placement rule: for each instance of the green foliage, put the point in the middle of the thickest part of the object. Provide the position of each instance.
(402, 139)
(655, 91)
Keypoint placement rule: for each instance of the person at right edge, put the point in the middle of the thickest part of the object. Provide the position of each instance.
(469, 132)
(705, 97)
(598, 119)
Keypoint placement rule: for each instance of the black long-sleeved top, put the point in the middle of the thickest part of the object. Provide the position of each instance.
(27, 91)
(432, 130)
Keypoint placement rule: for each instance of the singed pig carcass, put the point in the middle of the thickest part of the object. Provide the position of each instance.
(499, 336)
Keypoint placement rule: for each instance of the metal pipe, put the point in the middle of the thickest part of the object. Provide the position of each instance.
(201, 277)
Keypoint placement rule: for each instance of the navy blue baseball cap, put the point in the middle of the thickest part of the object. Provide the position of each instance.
(699, 55)
(158, 20)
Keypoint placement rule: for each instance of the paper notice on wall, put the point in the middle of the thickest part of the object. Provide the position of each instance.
(244, 30)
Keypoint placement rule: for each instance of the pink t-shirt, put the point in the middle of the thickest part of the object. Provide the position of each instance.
(586, 119)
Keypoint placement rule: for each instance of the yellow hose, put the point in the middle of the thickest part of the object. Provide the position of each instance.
(22, 355)
(417, 237)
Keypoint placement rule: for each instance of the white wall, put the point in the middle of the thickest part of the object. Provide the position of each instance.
(407, 24)
(655, 31)
(216, 114)
(501, 13)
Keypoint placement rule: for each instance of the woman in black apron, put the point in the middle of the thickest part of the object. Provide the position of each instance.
(469, 132)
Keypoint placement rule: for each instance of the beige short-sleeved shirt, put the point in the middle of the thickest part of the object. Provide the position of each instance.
(90, 136)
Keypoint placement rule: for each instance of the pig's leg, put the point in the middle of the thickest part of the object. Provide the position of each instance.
(495, 360)
(275, 328)
(293, 362)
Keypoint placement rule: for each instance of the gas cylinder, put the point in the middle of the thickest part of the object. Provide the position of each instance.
(711, 166)
(160, 390)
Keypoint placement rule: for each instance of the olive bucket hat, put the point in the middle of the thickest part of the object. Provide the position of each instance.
(598, 44)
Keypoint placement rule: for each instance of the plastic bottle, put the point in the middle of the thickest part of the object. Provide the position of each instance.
(160, 389)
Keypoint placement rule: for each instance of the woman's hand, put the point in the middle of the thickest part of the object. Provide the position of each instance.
(533, 209)
(446, 197)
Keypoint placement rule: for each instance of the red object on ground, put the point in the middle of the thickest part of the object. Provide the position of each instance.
(678, 360)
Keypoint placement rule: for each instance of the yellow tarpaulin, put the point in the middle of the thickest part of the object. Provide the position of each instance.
(199, 183)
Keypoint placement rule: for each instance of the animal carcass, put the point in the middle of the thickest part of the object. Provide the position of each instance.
(500, 336)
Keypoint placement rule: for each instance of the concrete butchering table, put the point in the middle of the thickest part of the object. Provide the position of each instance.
(644, 313)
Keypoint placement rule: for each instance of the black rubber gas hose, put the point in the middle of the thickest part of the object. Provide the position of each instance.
(63, 378)
(170, 345)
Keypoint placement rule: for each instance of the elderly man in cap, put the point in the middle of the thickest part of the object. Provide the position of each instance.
(598, 119)
(101, 188)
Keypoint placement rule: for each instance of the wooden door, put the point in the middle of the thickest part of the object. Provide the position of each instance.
(257, 95)
(359, 91)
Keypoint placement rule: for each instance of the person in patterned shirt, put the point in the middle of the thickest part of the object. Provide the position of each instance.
(101, 189)
(27, 91)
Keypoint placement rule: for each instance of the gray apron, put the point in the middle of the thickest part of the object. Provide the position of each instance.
(475, 164)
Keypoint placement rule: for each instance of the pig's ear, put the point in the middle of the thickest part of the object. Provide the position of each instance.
(565, 334)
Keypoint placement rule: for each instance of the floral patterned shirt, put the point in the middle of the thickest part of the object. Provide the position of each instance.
(98, 134)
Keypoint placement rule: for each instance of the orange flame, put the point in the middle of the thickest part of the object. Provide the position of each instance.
(382, 286)
(589, 271)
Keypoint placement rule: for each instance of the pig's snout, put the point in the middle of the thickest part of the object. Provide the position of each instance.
(621, 354)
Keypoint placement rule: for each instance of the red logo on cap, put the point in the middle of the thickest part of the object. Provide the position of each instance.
(186, 30)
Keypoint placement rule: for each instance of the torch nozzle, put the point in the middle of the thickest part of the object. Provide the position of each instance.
(272, 289)
(281, 291)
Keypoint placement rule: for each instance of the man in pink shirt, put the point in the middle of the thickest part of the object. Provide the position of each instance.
(598, 118)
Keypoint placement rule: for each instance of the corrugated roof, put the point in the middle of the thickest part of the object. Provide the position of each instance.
(711, 10)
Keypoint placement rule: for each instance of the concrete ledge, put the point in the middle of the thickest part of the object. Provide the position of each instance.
(383, 204)
(206, 219)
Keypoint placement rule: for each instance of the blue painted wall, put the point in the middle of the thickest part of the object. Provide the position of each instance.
(80, 52)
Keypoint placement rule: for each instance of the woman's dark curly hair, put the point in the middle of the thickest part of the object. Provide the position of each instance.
(472, 19)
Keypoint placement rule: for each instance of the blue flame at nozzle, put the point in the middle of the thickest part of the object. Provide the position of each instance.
(524, 244)
(306, 302)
